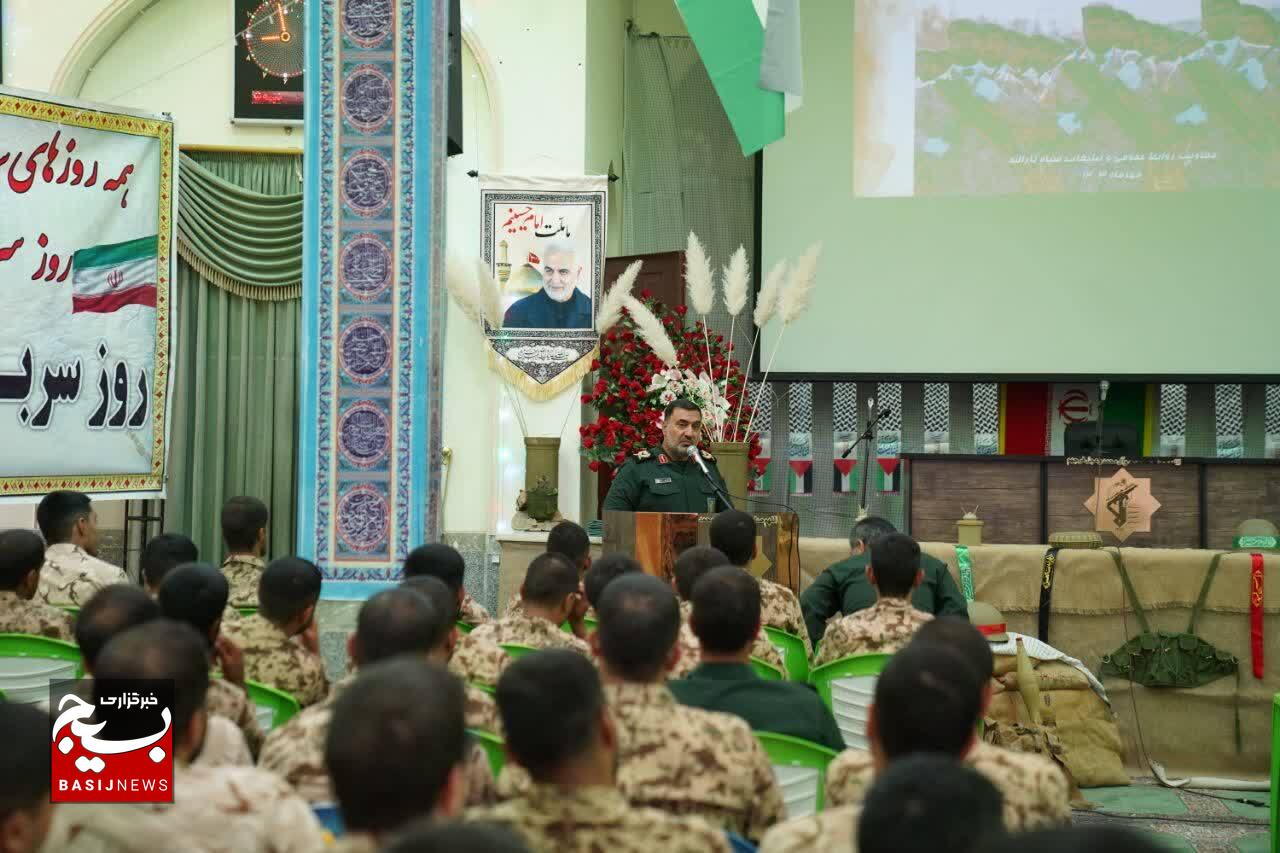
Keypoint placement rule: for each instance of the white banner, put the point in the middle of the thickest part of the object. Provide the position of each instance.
(86, 255)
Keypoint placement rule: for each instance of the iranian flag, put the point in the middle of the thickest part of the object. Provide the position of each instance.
(106, 278)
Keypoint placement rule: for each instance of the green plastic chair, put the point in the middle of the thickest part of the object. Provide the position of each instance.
(794, 656)
(28, 663)
(465, 627)
(1275, 774)
(767, 671)
(248, 611)
(516, 651)
(801, 769)
(273, 707)
(73, 609)
(494, 749)
(847, 686)
(484, 688)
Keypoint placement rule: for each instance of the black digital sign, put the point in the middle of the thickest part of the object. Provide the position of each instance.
(269, 60)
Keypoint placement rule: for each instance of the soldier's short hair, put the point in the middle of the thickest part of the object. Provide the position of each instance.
(682, 404)
(194, 593)
(438, 593)
(639, 622)
(927, 699)
(726, 609)
(693, 563)
(550, 702)
(923, 803)
(895, 558)
(549, 579)
(571, 540)
(734, 532)
(162, 553)
(25, 760)
(242, 517)
(436, 560)
(21, 553)
(430, 835)
(605, 571)
(399, 621)
(396, 734)
(58, 513)
(162, 650)
(288, 586)
(112, 610)
(960, 634)
(869, 529)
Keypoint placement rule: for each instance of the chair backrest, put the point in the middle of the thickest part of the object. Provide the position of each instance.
(248, 611)
(483, 688)
(848, 686)
(465, 627)
(273, 707)
(738, 844)
(28, 663)
(791, 647)
(801, 769)
(494, 749)
(330, 817)
(767, 671)
(515, 651)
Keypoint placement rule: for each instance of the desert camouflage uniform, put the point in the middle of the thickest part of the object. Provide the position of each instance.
(478, 661)
(478, 657)
(71, 576)
(227, 700)
(691, 649)
(1034, 789)
(471, 612)
(481, 711)
(688, 761)
(832, 829)
(779, 608)
(273, 658)
(243, 571)
(224, 746)
(598, 820)
(515, 607)
(22, 616)
(884, 627)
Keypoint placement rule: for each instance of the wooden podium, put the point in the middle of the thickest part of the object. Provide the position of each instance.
(655, 539)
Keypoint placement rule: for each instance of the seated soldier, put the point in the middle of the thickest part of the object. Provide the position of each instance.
(196, 593)
(396, 749)
(1035, 790)
(570, 541)
(605, 571)
(21, 557)
(887, 625)
(561, 732)
(72, 572)
(244, 530)
(670, 756)
(214, 809)
(438, 560)
(552, 595)
(690, 566)
(927, 700)
(280, 642)
(726, 618)
(734, 532)
(162, 554)
(843, 588)
(394, 623)
(926, 803)
(26, 812)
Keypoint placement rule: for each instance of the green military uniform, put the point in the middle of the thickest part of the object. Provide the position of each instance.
(652, 481)
(844, 588)
(781, 707)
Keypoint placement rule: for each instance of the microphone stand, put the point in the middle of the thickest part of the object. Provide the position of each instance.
(864, 439)
(702, 466)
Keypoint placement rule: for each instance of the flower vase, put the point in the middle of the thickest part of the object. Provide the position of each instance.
(542, 477)
(733, 460)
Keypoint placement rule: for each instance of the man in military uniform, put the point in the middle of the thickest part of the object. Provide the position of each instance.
(671, 756)
(400, 621)
(726, 618)
(72, 572)
(163, 554)
(287, 596)
(244, 530)
(690, 566)
(734, 533)
(887, 625)
(665, 479)
(21, 556)
(843, 588)
(560, 730)
(570, 541)
(438, 560)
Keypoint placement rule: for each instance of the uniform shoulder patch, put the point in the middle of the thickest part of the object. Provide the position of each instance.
(642, 455)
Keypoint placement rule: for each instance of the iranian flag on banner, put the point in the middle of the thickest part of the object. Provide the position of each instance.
(107, 278)
(1024, 418)
(1134, 404)
(1071, 403)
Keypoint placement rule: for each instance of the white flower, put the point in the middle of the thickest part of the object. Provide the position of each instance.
(666, 397)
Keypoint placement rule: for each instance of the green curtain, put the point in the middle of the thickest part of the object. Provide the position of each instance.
(235, 397)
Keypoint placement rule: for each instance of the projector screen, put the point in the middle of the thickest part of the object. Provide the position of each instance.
(1038, 188)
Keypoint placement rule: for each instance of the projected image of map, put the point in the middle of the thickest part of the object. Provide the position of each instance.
(981, 97)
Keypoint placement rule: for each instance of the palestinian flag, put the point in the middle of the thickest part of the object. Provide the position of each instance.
(844, 476)
(107, 278)
(801, 477)
(889, 474)
(762, 483)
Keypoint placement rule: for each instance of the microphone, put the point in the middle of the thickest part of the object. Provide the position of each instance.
(692, 452)
(1104, 386)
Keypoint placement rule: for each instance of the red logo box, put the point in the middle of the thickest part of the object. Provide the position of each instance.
(112, 741)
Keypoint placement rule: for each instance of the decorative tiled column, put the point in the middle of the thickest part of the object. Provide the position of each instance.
(369, 457)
